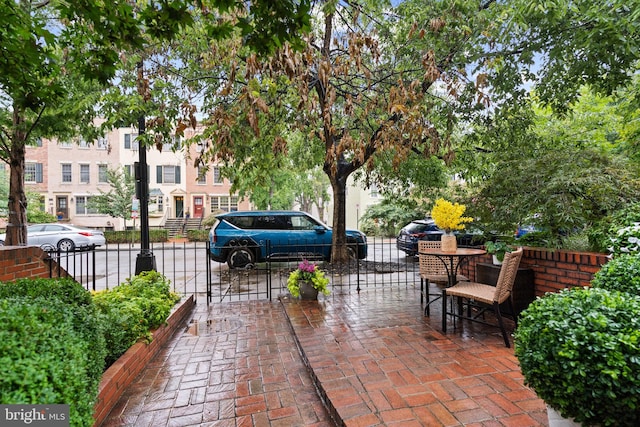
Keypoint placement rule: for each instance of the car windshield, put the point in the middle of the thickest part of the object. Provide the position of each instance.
(419, 227)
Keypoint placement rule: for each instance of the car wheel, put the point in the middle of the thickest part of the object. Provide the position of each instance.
(241, 257)
(66, 245)
(48, 247)
(353, 250)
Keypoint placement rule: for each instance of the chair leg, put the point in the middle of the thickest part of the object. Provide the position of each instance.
(513, 311)
(444, 310)
(496, 309)
(427, 311)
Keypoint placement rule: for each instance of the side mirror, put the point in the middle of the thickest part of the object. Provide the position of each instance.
(320, 229)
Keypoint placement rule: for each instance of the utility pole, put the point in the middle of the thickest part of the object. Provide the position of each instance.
(145, 260)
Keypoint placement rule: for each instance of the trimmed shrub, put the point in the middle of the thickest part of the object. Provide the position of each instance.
(133, 236)
(579, 350)
(198, 235)
(71, 296)
(65, 289)
(129, 311)
(45, 358)
(622, 274)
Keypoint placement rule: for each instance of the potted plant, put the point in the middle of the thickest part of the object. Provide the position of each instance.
(578, 349)
(307, 281)
(448, 217)
(497, 249)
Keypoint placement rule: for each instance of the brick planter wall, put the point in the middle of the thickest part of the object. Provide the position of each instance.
(17, 262)
(122, 373)
(553, 269)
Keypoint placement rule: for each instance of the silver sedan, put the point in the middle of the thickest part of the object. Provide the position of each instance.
(61, 237)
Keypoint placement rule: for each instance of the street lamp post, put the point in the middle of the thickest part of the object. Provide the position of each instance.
(145, 260)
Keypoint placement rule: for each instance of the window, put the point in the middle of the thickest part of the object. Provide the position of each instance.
(202, 175)
(174, 144)
(82, 208)
(65, 144)
(130, 142)
(217, 178)
(102, 174)
(168, 174)
(374, 191)
(66, 172)
(156, 203)
(102, 143)
(224, 203)
(85, 174)
(33, 172)
(82, 143)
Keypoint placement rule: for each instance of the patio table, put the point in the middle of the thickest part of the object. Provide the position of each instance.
(448, 259)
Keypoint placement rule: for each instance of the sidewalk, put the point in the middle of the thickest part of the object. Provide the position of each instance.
(373, 358)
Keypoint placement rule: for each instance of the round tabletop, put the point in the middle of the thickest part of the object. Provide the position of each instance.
(458, 252)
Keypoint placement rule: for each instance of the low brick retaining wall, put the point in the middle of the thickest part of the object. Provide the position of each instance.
(553, 269)
(122, 373)
(19, 262)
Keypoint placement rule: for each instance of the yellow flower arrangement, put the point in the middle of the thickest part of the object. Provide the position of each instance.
(448, 216)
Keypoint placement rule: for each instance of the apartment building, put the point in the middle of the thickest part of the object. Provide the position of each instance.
(68, 173)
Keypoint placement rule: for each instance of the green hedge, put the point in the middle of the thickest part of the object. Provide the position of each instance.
(622, 273)
(52, 349)
(133, 236)
(579, 350)
(131, 310)
(56, 338)
(198, 235)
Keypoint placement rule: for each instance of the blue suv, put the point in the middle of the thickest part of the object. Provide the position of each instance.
(243, 238)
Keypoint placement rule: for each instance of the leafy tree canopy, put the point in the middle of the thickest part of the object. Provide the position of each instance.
(59, 56)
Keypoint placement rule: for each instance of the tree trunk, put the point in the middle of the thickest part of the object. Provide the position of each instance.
(16, 226)
(339, 252)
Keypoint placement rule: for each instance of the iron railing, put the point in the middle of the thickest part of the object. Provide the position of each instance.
(191, 271)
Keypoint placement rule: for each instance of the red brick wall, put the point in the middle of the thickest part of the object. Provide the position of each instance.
(18, 262)
(553, 269)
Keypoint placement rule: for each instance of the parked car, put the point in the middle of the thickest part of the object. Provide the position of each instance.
(426, 229)
(62, 237)
(243, 238)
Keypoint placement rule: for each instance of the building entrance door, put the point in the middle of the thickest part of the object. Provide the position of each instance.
(62, 207)
(198, 206)
(179, 203)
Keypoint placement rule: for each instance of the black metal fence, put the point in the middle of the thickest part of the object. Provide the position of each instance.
(190, 270)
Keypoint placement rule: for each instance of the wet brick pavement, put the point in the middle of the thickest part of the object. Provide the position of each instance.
(373, 357)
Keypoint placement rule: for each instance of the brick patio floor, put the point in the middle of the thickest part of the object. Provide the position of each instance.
(373, 357)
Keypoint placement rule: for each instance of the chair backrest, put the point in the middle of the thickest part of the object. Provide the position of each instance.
(429, 264)
(507, 276)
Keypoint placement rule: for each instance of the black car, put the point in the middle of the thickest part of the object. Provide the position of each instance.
(426, 229)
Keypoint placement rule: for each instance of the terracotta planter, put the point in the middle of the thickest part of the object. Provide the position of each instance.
(307, 291)
(448, 242)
